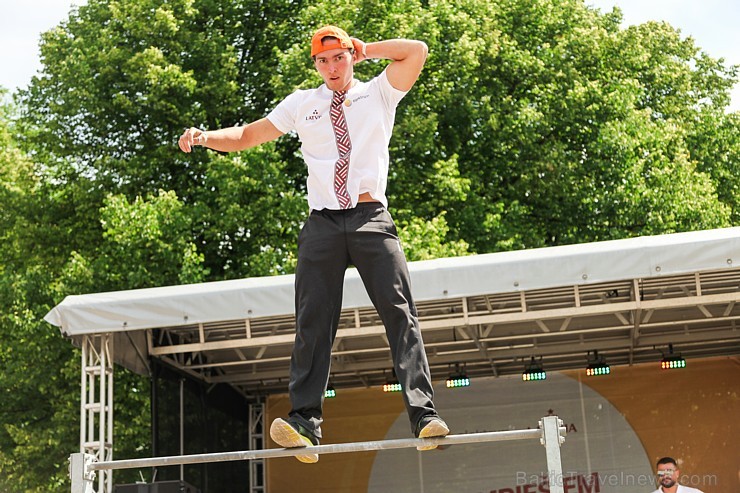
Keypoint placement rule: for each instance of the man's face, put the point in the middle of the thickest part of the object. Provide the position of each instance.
(667, 475)
(336, 68)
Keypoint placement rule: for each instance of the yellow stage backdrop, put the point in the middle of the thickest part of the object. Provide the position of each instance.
(618, 424)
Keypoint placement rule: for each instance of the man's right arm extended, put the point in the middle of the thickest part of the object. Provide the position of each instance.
(230, 139)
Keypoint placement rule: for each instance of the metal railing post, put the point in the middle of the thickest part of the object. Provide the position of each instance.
(553, 435)
(81, 476)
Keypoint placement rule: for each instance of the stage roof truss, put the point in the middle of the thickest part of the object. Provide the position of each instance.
(628, 321)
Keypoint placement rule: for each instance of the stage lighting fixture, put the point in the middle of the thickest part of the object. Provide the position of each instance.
(460, 380)
(672, 360)
(392, 386)
(597, 366)
(457, 379)
(534, 371)
(330, 392)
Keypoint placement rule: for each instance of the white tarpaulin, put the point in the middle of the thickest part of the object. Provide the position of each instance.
(541, 268)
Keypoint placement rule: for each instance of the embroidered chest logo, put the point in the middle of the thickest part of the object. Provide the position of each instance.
(313, 116)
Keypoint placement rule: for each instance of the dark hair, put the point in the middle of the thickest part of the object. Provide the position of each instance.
(351, 50)
(667, 460)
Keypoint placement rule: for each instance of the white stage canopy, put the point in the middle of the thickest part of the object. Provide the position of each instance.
(458, 277)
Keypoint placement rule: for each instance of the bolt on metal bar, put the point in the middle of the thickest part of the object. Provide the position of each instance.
(494, 436)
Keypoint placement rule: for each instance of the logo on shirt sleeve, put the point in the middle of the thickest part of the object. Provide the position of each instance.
(313, 116)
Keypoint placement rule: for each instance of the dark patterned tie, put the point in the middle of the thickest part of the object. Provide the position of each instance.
(344, 146)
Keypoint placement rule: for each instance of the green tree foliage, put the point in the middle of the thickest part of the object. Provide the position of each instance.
(564, 123)
(534, 123)
(39, 381)
(125, 77)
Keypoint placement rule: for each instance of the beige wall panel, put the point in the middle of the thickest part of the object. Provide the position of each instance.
(692, 414)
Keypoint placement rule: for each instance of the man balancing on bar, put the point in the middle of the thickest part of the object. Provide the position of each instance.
(345, 127)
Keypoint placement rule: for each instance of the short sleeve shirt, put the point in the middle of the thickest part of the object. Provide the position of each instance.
(369, 109)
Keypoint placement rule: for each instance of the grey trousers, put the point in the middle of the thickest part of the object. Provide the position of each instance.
(329, 242)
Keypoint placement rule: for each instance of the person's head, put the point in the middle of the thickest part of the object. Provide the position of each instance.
(667, 470)
(333, 55)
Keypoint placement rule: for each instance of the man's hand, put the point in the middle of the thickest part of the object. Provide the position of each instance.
(360, 50)
(192, 137)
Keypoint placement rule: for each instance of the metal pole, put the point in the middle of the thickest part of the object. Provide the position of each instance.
(80, 474)
(551, 433)
(83, 395)
(494, 436)
(154, 398)
(90, 371)
(552, 437)
(101, 414)
(109, 409)
(182, 427)
(256, 442)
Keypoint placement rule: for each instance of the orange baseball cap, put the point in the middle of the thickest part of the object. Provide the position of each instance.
(342, 40)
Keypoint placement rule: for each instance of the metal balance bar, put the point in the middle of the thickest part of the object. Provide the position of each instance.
(551, 433)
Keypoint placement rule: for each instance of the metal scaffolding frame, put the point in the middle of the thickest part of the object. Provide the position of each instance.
(96, 403)
(257, 442)
(550, 432)
(628, 320)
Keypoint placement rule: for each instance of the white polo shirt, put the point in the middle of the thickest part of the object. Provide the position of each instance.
(681, 489)
(370, 115)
